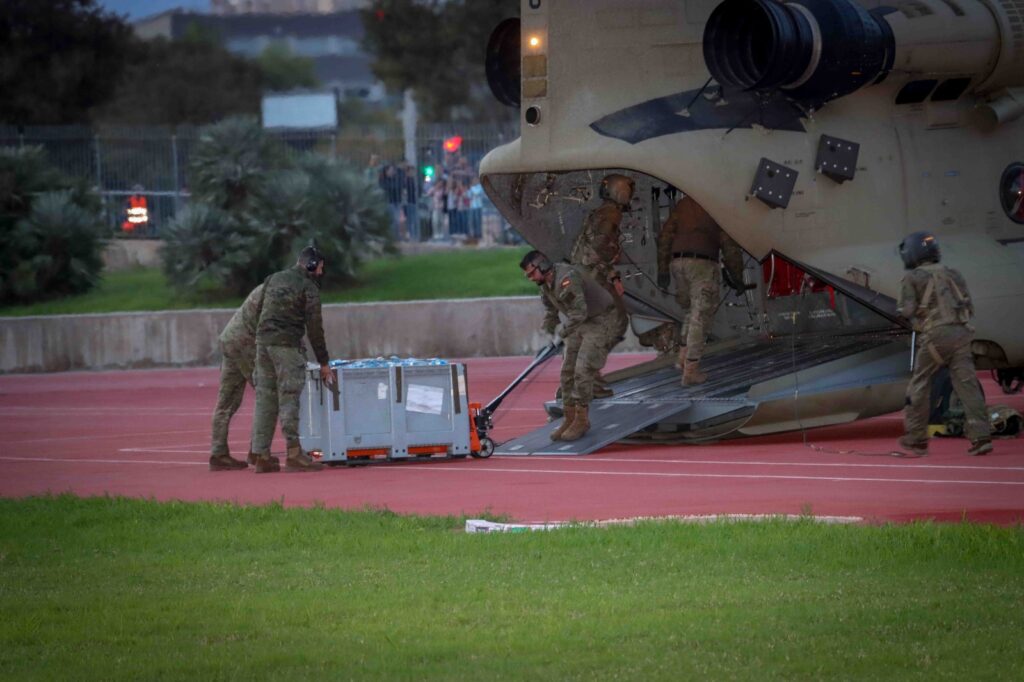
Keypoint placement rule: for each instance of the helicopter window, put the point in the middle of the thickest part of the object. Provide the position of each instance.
(950, 89)
(916, 92)
(1011, 192)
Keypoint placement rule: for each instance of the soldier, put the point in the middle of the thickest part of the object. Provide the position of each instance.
(688, 248)
(290, 309)
(591, 321)
(934, 298)
(597, 250)
(238, 351)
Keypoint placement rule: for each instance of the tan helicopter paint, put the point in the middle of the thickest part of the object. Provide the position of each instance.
(921, 166)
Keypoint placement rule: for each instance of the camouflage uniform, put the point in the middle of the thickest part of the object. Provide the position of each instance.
(935, 299)
(238, 351)
(597, 246)
(291, 309)
(591, 322)
(688, 246)
(596, 250)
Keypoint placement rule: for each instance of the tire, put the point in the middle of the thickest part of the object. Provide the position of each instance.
(486, 448)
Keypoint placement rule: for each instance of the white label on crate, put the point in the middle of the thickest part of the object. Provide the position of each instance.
(425, 399)
(462, 384)
(382, 391)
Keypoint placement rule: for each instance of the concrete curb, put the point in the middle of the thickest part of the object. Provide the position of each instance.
(463, 328)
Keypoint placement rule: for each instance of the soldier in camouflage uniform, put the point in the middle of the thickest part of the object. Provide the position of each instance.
(597, 250)
(688, 247)
(238, 351)
(290, 309)
(935, 299)
(591, 322)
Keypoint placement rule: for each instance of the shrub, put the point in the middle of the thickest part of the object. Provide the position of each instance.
(209, 251)
(255, 206)
(50, 230)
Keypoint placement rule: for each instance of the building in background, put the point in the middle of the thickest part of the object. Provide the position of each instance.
(285, 6)
(333, 40)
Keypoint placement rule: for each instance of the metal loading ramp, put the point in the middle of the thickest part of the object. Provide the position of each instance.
(745, 380)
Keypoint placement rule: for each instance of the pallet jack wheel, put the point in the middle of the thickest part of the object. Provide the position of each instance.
(486, 448)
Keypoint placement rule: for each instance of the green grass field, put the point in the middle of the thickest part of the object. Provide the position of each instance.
(121, 589)
(468, 273)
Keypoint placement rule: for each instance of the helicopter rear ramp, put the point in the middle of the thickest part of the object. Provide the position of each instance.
(754, 387)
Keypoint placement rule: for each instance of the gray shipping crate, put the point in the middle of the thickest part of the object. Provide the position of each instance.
(395, 412)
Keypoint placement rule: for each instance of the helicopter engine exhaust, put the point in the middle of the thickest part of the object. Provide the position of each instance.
(818, 50)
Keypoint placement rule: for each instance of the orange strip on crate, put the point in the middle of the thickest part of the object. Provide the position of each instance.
(429, 450)
(368, 452)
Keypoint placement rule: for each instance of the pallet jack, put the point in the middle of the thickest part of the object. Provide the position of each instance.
(481, 445)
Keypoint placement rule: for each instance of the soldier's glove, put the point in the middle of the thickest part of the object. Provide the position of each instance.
(664, 279)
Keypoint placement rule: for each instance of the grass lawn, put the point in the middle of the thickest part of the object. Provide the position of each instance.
(123, 589)
(468, 273)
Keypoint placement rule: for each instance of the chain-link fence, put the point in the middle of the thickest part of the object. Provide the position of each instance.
(141, 173)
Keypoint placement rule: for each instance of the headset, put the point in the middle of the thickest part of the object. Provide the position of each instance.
(315, 259)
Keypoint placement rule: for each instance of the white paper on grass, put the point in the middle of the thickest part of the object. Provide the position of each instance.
(424, 399)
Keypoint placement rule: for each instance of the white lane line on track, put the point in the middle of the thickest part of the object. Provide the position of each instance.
(104, 436)
(768, 464)
(93, 411)
(204, 448)
(165, 451)
(474, 469)
(68, 460)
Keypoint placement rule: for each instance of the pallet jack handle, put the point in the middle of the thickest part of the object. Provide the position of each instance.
(482, 445)
(542, 356)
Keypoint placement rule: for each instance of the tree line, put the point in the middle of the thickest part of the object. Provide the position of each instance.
(72, 62)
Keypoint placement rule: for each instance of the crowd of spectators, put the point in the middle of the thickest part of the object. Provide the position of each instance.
(447, 207)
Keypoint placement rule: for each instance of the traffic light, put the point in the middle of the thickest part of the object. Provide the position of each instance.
(452, 144)
(428, 174)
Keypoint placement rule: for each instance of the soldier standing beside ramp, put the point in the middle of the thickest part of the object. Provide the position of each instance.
(591, 323)
(290, 309)
(597, 251)
(238, 351)
(688, 247)
(934, 298)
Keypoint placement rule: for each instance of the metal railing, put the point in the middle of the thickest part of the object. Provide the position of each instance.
(152, 162)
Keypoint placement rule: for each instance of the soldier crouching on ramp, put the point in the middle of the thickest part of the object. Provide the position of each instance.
(934, 298)
(592, 321)
(289, 310)
(238, 351)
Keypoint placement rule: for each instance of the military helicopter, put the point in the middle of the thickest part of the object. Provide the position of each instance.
(816, 133)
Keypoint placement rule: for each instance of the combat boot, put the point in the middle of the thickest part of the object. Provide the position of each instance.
(569, 413)
(603, 391)
(266, 464)
(580, 424)
(251, 458)
(225, 462)
(692, 374)
(980, 447)
(914, 447)
(681, 362)
(298, 460)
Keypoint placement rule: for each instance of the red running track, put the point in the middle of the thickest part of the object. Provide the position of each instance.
(146, 434)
